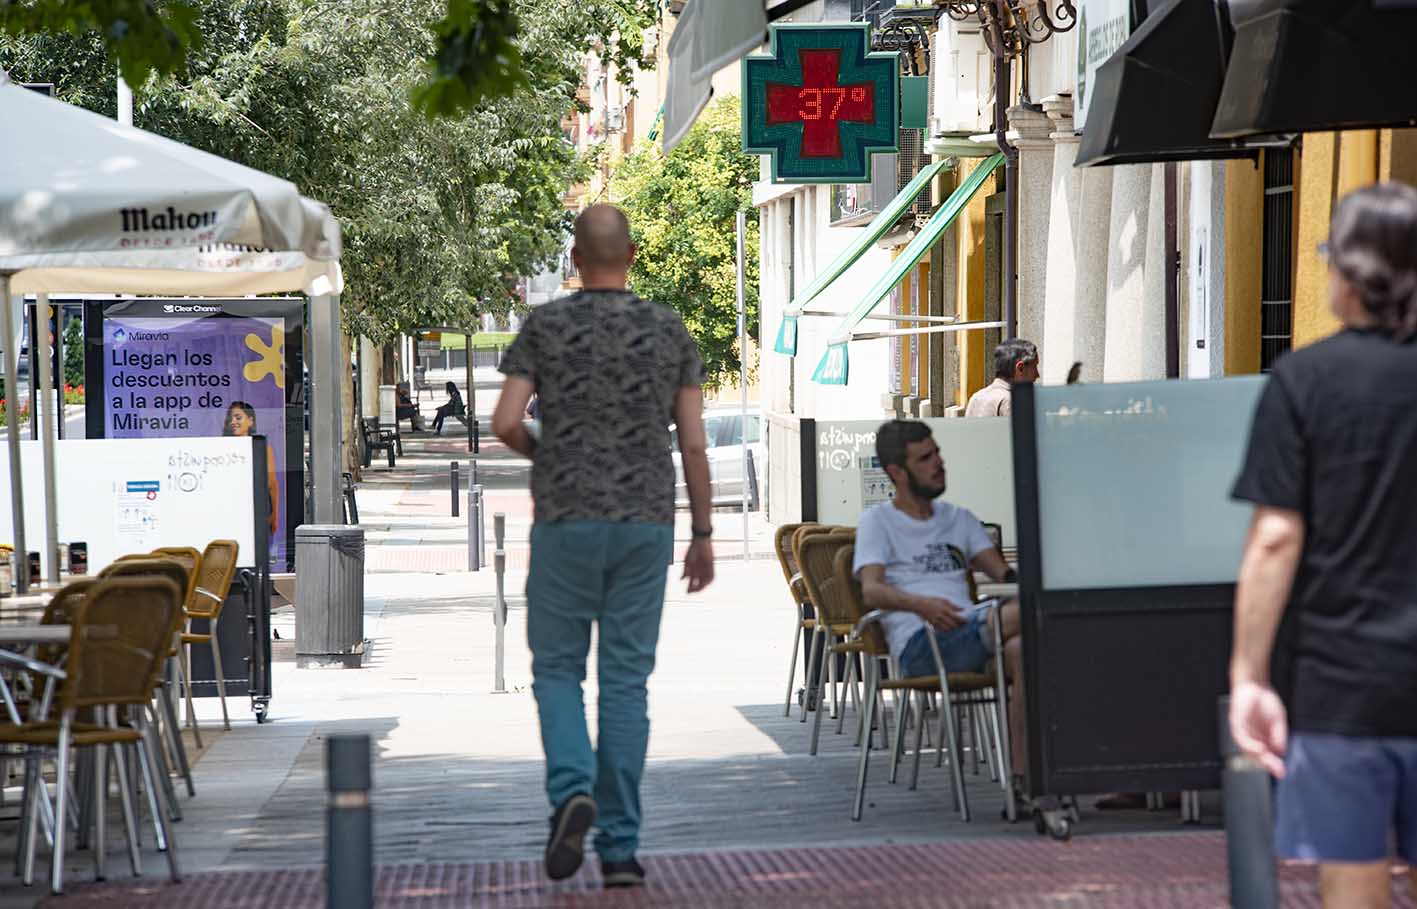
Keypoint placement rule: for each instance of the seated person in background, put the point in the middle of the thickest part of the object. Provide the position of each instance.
(913, 555)
(454, 408)
(405, 409)
(1015, 360)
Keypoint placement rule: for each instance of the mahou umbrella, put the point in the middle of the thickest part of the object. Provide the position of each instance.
(88, 205)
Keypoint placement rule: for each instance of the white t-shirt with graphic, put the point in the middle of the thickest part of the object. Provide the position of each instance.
(927, 558)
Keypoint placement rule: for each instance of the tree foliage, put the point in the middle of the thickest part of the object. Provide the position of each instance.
(144, 36)
(682, 209)
(439, 217)
(478, 55)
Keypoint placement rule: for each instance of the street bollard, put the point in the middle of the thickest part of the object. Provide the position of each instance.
(454, 485)
(499, 609)
(474, 527)
(1249, 826)
(349, 837)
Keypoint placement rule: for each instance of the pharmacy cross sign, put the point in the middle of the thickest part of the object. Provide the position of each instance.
(821, 103)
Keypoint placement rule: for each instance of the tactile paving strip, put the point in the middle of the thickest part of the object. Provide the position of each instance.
(1163, 870)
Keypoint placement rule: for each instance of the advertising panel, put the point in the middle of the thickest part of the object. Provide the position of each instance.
(171, 368)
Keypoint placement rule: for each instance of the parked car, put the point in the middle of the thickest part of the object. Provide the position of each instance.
(724, 431)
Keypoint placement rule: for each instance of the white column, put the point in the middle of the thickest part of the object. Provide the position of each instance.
(1092, 228)
(1205, 265)
(1035, 149)
(1058, 340)
(1136, 306)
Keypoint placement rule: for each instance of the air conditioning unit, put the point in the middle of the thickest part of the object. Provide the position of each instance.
(962, 69)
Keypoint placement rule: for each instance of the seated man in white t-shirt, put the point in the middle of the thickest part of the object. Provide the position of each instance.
(913, 555)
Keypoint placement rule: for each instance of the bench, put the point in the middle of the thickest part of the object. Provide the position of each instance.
(377, 438)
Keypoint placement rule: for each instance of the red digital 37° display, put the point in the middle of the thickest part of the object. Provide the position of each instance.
(821, 103)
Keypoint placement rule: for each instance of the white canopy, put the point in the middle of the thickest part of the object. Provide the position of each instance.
(88, 205)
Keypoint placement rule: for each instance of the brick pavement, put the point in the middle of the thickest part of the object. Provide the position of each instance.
(1177, 870)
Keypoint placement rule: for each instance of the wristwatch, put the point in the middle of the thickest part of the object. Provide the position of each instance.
(702, 534)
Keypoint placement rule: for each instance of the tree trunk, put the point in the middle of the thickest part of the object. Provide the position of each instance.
(349, 404)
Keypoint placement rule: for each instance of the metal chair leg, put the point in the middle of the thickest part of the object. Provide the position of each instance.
(154, 796)
(821, 692)
(851, 686)
(100, 793)
(902, 716)
(919, 732)
(164, 772)
(130, 821)
(811, 672)
(185, 653)
(220, 675)
(956, 758)
(56, 867)
(792, 664)
(173, 729)
(872, 675)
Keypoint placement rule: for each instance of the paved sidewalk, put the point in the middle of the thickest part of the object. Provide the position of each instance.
(736, 811)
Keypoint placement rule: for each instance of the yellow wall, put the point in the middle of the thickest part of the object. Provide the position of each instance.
(1244, 245)
(970, 225)
(1397, 155)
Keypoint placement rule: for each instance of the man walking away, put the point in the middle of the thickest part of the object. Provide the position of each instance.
(1015, 360)
(1327, 581)
(611, 372)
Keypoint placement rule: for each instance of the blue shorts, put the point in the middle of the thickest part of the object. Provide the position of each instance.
(963, 649)
(1347, 799)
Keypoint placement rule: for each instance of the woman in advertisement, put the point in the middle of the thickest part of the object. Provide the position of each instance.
(241, 421)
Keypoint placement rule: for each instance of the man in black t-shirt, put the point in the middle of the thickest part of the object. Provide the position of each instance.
(1328, 584)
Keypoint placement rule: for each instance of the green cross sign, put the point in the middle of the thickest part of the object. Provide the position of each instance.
(821, 103)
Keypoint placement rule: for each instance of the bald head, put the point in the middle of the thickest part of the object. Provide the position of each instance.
(603, 239)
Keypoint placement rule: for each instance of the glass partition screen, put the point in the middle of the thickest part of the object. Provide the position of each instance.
(1134, 482)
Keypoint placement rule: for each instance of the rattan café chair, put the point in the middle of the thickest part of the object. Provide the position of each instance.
(168, 727)
(820, 633)
(834, 618)
(121, 630)
(215, 572)
(787, 560)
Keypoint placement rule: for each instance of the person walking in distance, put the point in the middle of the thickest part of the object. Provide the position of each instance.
(1327, 585)
(611, 372)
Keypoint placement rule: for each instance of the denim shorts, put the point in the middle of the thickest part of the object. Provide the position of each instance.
(963, 649)
(1347, 799)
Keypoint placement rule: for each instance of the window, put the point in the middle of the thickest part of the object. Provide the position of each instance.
(1277, 271)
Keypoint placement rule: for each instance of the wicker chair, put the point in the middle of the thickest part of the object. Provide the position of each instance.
(169, 729)
(956, 689)
(787, 560)
(803, 533)
(217, 568)
(121, 631)
(834, 617)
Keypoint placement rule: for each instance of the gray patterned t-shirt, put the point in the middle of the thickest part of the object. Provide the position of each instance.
(607, 366)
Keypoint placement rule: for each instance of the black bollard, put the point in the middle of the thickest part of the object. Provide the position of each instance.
(453, 470)
(349, 836)
(1249, 824)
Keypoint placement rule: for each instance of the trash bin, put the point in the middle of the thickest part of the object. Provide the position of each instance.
(329, 596)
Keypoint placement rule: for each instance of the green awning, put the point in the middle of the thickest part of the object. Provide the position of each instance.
(787, 333)
(834, 366)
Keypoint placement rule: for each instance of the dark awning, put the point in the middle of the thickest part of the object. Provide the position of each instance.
(1318, 65)
(1154, 99)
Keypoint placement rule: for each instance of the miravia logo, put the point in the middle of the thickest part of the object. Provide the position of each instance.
(120, 336)
(140, 220)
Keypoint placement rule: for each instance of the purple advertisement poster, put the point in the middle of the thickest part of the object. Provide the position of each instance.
(206, 372)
